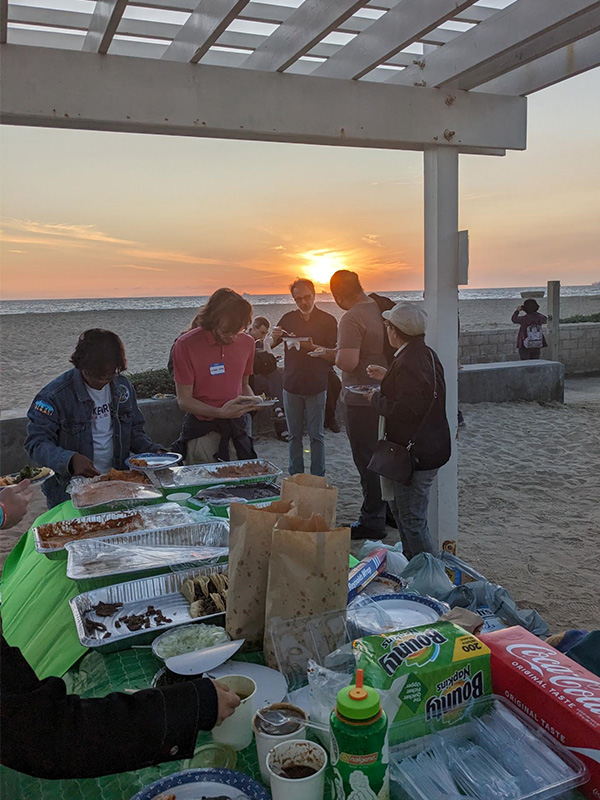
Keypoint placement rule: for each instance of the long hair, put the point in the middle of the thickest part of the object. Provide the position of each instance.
(97, 350)
(224, 307)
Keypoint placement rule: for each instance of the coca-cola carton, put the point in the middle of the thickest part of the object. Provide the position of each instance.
(558, 694)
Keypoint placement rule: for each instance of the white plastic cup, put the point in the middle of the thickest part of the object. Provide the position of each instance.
(300, 751)
(181, 498)
(266, 741)
(236, 730)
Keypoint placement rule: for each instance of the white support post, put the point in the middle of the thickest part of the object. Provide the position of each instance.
(441, 304)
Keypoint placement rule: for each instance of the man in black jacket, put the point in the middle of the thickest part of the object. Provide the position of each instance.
(48, 733)
(412, 400)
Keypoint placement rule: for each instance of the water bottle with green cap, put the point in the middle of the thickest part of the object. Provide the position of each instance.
(359, 755)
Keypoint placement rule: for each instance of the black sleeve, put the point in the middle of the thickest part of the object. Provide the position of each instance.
(403, 396)
(50, 734)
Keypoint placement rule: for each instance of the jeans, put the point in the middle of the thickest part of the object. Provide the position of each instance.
(298, 408)
(362, 427)
(409, 508)
(529, 353)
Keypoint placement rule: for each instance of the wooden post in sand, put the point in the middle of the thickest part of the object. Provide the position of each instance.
(554, 320)
(441, 304)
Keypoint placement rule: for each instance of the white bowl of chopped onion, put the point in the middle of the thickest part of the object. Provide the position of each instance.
(188, 638)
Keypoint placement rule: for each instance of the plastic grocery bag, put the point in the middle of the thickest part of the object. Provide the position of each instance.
(478, 594)
(396, 561)
(426, 574)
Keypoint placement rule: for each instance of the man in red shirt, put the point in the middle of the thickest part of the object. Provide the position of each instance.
(212, 364)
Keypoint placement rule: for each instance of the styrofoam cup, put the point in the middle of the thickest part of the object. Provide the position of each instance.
(236, 730)
(299, 751)
(266, 741)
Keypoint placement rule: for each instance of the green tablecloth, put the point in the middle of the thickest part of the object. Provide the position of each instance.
(36, 616)
(35, 603)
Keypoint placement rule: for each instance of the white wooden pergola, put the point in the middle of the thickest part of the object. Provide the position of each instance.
(441, 76)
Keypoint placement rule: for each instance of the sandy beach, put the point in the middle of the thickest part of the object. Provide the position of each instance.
(529, 482)
(36, 347)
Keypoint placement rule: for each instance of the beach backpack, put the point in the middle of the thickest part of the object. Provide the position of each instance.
(385, 304)
(534, 339)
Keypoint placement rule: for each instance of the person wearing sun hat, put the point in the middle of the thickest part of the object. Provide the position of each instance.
(412, 404)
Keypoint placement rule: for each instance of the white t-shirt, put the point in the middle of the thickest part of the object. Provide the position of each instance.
(102, 428)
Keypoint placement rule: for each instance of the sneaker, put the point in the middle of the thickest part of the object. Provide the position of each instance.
(360, 531)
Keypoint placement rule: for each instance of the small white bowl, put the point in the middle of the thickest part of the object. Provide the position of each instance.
(181, 498)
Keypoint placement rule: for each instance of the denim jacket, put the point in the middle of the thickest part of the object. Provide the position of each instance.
(60, 425)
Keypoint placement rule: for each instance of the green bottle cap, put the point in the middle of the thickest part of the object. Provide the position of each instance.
(358, 702)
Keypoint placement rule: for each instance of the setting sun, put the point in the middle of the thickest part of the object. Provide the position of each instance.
(321, 264)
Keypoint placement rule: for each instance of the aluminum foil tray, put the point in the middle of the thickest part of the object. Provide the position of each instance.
(142, 493)
(207, 474)
(162, 592)
(116, 555)
(164, 516)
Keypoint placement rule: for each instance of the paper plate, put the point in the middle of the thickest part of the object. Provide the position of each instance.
(195, 783)
(271, 686)
(33, 481)
(155, 461)
(363, 389)
(404, 610)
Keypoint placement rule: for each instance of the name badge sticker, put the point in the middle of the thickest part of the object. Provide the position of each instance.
(217, 369)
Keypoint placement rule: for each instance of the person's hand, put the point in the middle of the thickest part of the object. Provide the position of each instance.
(376, 372)
(277, 332)
(15, 500)
(82, 465)
(308, 347)
(236, 408)
(370, 394)
(227, 701)
(520, 308)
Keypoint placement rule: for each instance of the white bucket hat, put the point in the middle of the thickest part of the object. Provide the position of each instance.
(408, 318)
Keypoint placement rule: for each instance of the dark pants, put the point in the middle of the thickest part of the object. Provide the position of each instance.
(334, 387)
(528, 354)
(362, 427)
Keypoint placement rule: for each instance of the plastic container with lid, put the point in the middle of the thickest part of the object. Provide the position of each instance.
(359, 755)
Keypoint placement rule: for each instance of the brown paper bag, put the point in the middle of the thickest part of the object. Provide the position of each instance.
(311, 495)
(250, 534)
(308, 572)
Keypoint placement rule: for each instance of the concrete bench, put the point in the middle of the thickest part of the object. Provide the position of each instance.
(501, 382)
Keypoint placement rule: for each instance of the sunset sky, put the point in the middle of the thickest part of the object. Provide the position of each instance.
(102, 214)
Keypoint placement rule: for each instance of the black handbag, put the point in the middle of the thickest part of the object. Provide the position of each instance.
(395, 461)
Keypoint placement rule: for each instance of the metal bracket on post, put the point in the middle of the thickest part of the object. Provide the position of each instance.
(554, 319)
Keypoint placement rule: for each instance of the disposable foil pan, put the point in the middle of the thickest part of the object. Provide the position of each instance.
(162, 592)
(164, 517)
(116, 555)
(207, 474)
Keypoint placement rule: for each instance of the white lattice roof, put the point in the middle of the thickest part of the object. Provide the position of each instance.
(489, 47)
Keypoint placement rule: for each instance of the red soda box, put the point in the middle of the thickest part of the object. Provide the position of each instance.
(556, 692)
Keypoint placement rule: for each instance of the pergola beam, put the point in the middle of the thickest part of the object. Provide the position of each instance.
(103, 25)
(405, 23)
(66, 89)
(303, 29)
(206, 23)
(571, 60)
(522, 32)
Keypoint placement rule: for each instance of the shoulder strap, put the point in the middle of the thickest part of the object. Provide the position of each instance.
(412, 441)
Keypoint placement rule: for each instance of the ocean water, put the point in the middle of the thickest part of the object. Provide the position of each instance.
(149, 303)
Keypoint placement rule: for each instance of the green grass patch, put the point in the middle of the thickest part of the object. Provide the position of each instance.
(581, 318)
(151, 382)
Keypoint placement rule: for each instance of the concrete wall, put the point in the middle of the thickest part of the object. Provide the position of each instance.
(580, 347)
(541, 381)
(163, 423)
